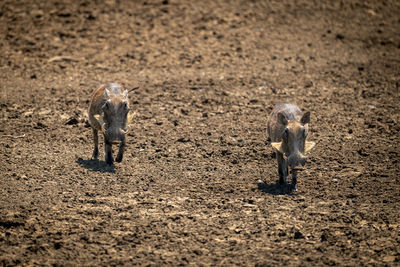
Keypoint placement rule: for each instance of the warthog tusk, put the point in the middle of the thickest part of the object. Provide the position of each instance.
(127, 129)
(130, 117)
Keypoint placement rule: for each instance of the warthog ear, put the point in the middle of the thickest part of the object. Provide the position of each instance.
(282, 119)
(305, 118)
(309, 146)
(133, 89)
(100, 120)
(130, 117)
(107, 92)
(277, 146)
(126, 93)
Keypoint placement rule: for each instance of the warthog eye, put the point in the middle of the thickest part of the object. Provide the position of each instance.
(125, 106)
(286, 133)
(106, 105)
(304, 132)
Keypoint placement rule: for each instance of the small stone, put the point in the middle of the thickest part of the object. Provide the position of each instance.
(298, 235)
(308, 84)
(72, 121)
(339, 36)
(40, 125)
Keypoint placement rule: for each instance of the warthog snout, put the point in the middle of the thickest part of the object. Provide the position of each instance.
(297, 162)
(115, 134)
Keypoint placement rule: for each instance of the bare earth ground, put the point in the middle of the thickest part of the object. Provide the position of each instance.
(198, 183)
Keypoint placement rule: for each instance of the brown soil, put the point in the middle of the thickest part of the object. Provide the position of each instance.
(198, 181)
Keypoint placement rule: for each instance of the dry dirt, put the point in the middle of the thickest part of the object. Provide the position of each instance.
(198, 182)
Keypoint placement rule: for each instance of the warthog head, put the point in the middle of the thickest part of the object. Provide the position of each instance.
(115, 115)
(294, 145)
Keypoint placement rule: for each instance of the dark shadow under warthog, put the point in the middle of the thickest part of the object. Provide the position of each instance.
(96, 165)
(275, 189)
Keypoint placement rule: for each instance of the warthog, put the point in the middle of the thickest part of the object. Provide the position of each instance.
(109, 113)
(288, 128)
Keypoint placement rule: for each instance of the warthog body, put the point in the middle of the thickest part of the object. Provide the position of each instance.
(287, 128)
(109, 114)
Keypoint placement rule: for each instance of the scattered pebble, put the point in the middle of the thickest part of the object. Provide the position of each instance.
(298, 235)
(72, 121)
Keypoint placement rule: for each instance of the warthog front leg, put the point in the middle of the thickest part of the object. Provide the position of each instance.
(282, 167)
(96, 144)
(108, 151)
(294, 180)
(121, 150)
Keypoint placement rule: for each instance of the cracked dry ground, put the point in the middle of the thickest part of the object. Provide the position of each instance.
(198, 182)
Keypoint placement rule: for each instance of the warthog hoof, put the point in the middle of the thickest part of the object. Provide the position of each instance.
(119, 158)
(109, 160)
(294, 187)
